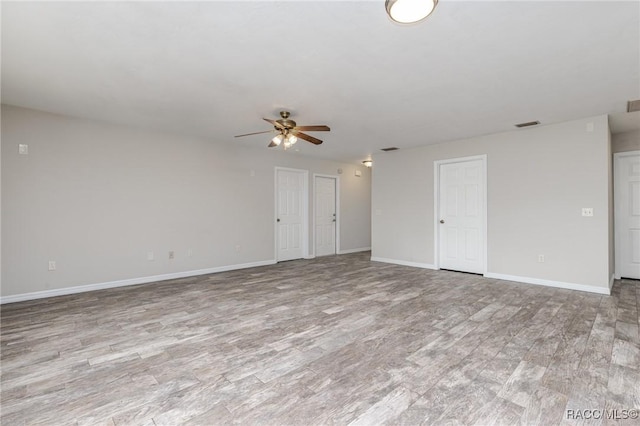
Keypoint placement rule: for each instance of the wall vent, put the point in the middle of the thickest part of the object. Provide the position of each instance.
(633, 106)
(527, 124)
(392, 148)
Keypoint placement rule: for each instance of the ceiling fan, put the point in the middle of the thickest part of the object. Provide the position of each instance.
(289, 132)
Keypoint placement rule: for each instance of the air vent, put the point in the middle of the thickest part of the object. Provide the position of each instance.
(633, 106)
(528, 123)
(393, 148)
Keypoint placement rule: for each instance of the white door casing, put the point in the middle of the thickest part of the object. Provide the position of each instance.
(325, 214)
(627, 214)
(291, 214)
(460, 214)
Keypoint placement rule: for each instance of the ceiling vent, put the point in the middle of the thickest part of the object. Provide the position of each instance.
(393, 148)
(527, 124)
(633, 106)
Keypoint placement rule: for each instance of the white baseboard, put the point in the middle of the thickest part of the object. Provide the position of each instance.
(548, 283)
(355, 250)
(526, 280)
(403, 262)
(133, 281)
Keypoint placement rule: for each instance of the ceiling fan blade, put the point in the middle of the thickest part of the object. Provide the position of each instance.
(306, 137)
(318, 128)
(275, 123)
(255, 133)
(271, 145)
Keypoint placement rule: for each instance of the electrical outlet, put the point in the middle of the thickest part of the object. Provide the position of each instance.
(587, 211)
(171, 254)
(238, 248)
(150, 255)
(52, 265)
(189, 253)
(23, 149)
(541, 258)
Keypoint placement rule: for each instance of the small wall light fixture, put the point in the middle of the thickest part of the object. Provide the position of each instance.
(409, 11)
(368, 163)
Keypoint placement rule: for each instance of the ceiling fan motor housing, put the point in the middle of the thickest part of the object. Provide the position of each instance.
(286, 123)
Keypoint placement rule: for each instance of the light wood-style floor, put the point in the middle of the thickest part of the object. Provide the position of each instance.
(334, 340)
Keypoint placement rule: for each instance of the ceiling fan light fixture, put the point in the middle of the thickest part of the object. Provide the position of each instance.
(367, 163)
(288, 132)
(278, 139)
(409, 11)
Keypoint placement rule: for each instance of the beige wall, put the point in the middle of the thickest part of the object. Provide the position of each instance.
(628, 141)
(538, 181)
(96, 198)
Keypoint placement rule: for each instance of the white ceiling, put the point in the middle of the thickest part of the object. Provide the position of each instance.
(214, 69)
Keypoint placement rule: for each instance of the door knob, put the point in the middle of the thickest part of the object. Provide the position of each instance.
(278, 219)
(441, 220)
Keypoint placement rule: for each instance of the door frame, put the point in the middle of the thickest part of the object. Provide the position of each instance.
(617, 156)
(336, 179)
(305, 210)
(436, 206)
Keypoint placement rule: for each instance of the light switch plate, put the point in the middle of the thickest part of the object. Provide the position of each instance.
(358, 173)
(23, 149)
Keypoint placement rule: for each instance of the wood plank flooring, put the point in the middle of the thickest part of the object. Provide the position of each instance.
(334, 340)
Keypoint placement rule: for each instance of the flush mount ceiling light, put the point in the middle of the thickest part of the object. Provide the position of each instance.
(368, 163)
(409, 11)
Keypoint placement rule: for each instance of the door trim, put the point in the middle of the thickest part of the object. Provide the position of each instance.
(305, 210)
(616, 210)
(313, 216)
(436, 206)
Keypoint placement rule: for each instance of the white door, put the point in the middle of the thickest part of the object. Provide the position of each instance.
(325, 215)
(290, 218)
(627, 214)
(461, 211)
